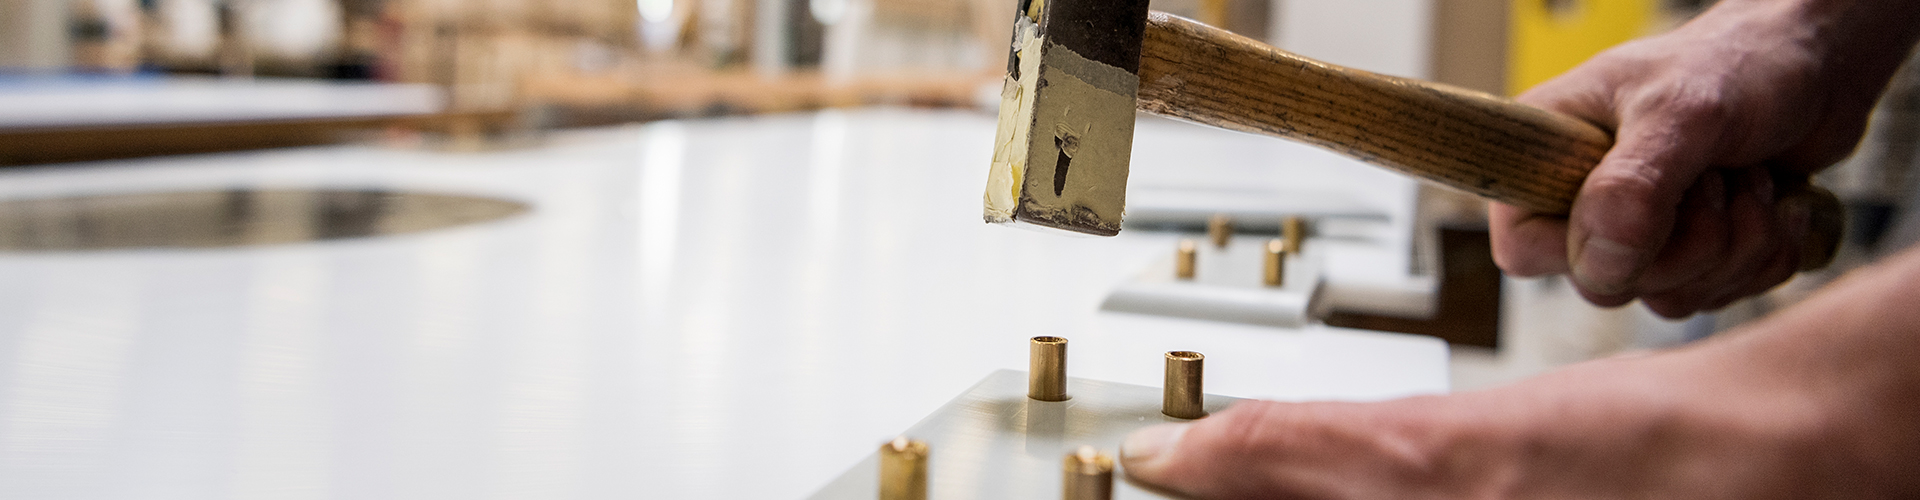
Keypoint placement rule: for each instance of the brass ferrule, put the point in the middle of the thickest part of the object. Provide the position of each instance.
(1047, 369)
(903, 469)
(1220, 229)
(1184, 260)
(1294, 231)
(1088, 475)
(1182, 396)
(1276, 268)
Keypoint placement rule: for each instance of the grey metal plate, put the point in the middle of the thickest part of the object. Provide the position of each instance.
(994, 443)
(1227, 287)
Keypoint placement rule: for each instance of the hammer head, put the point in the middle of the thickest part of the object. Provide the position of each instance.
(1066, 115)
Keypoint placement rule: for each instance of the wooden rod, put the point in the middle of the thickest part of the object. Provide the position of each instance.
(1472, 141)
(1480, 143)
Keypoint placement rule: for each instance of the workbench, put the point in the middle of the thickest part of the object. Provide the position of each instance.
(726, 308)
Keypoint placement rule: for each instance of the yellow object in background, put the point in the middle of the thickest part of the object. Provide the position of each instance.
(1549, 37)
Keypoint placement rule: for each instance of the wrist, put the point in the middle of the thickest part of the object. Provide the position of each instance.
(1856, 44)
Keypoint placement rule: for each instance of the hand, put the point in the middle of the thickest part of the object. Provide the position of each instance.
(1818, 401)
(1682, 213)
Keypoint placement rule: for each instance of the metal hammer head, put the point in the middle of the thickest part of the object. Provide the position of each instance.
(1066, 115)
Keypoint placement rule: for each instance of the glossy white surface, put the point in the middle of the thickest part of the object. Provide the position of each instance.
(737, 308)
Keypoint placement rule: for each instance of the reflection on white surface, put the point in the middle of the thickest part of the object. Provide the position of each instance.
(64, 383)
(669, 321)
(231, 217)
(663, 158)
(282, 437)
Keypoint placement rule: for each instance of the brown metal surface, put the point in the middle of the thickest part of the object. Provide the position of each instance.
(1047, 369)
(1182, 395)
(903, 469)
(1087, 475)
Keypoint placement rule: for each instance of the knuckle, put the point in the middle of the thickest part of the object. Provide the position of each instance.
(1694, 101)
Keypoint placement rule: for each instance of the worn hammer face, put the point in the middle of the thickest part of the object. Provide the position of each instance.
(1066, 115)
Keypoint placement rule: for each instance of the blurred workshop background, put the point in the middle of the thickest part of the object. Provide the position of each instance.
(91, 80)
(522, 64)
(619, 248)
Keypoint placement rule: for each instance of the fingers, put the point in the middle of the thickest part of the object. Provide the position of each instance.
(1653, 221)
(1756, 256)
(1699, 240)
(1730, 240)
(1526, 244)
(1260, 449)
(1628, 205)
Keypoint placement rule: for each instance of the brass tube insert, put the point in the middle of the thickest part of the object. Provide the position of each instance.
(1220, 229)
(1182, 396)
(1183, 261)
(1276, 268)
(1088, 475)
(1047, 369)
(1294, 231)
(903, 469)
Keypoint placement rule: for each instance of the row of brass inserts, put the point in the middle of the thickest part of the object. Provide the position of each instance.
(1086, 473)
(1182, 392)
(1293, 230)
(1220, 230)
(1273, 272)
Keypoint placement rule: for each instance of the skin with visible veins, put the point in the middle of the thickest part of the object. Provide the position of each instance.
(1821, 400)
(1680, 213)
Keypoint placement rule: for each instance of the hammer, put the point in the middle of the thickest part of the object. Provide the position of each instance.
(1079, 68)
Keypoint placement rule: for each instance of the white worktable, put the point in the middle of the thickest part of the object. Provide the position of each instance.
(733, 308)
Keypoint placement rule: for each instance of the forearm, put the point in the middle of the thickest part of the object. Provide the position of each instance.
(1862, 328)
(1851, 352)
(1858, 43)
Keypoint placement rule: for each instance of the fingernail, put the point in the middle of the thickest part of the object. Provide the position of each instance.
(1604, 266)
(1142, 447)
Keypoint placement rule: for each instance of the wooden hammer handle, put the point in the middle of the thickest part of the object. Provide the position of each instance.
(1476, 142)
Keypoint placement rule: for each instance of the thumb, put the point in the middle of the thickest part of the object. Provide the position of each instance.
(1628, 206)
(1262, 449)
